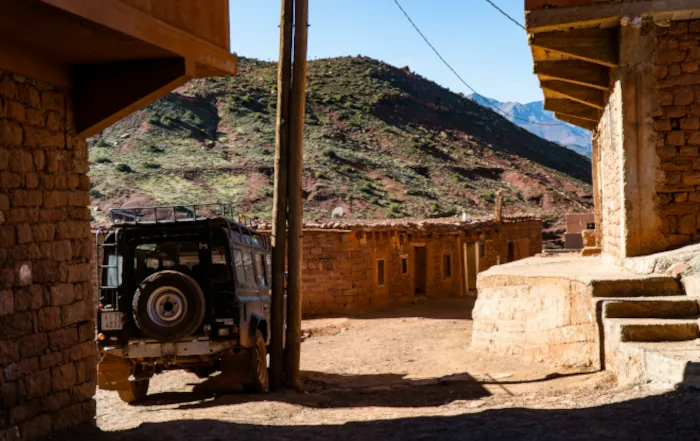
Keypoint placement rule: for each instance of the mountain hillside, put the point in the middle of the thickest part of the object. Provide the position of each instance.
(533, 118)
(380, 142)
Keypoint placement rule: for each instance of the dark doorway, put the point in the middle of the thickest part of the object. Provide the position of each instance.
(470, 257)
(420, 271)
(511, 252)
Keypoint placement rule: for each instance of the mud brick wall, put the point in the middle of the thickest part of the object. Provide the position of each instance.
(610, 168)
(47, 350)
(340, 271)
(677, 124)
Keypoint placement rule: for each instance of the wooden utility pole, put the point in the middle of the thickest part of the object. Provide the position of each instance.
(279, 216)
(296, 153)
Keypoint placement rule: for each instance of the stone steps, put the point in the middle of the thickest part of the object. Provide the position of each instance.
(661, 364)
(660, 286)
(654, 330)
(651, 307)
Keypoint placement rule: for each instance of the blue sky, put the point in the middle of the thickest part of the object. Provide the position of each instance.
(489, 52)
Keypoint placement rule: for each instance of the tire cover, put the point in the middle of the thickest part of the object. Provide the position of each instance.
(168, 306)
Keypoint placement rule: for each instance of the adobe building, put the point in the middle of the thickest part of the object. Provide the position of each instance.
(629, 71)
(352, 267)
(68, 69)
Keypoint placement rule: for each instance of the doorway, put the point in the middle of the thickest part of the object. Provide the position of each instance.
(470, 256)
(420, 271)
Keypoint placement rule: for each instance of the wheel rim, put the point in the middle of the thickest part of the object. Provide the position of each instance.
(166, 306)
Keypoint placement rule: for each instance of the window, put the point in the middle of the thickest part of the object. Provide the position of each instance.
(248, 264)
(238, 263)
(446, 266)
(380, 272)
(261, 270)
(482, 250)
(404, 265)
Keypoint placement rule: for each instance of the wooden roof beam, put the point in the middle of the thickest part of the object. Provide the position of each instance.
(593, 45)
(111, 91)
(597, 14)
(583, 123)
(585, 95)
(576, 72)
(571, 108)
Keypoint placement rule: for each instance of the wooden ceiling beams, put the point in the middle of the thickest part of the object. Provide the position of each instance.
(597, 46)
(574, 62)
(574, 109)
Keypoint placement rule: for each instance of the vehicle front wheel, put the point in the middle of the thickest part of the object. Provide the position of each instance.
(137, 391)
(257, 362)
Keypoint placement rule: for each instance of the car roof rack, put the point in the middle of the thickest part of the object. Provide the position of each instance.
(170, 214)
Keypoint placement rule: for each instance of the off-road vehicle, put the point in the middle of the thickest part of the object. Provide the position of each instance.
(181, 287)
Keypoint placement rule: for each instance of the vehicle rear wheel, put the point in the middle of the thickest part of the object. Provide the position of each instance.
(257, 364)
(136, 391)
(168, 306)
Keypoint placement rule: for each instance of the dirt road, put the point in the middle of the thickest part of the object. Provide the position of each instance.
(405, 374)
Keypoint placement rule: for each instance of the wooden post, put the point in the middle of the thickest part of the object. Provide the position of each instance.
(498, 207)
(279, 216)
(296, 152)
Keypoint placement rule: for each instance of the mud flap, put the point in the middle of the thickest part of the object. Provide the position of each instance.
(113, 373)
(235, 370)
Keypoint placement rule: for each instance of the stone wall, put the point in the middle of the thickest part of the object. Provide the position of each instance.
(609, 141)
(542, 318)
(677, 123)
(47, 350)
(340, 266)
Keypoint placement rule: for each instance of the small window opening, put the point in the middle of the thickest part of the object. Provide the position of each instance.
(482, 250)
(404, 265)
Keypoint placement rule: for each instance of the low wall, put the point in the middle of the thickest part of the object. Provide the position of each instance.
(546, 319)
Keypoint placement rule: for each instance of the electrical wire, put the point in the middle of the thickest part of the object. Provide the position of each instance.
(459, 77)
(507, 16)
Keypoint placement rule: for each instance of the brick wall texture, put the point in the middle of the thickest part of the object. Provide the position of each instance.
(677, 124)
(47, 350)
(340, 269)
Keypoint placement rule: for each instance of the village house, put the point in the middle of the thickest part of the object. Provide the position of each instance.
(351, 267)
(629, 72)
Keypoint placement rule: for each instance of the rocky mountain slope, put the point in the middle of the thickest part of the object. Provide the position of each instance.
(380, 142)
(533, 118)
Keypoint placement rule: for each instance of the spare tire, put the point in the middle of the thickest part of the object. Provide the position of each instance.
(168, 306)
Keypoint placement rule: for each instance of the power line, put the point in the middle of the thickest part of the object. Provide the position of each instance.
(507, 16)
(459, 77)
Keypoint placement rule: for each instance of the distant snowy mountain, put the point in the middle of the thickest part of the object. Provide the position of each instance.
(531, 116)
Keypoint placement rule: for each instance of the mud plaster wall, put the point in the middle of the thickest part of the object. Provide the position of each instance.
(47, 329)
(339, 269)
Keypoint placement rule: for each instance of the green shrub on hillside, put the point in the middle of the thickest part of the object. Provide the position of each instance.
(124, 168)
(103, 160)
(152, 165)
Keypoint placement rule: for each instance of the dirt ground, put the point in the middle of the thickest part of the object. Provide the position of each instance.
(405, 374)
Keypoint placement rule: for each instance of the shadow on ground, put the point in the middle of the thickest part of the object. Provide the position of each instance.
(323, 390)
(670, 416)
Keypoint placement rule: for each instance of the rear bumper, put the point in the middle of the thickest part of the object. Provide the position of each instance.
(170, 352)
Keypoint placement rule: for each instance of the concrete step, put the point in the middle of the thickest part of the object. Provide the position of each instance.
(664, 364)
(652, 307)
(653, 330)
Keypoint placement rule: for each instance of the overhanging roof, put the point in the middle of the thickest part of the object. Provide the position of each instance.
(575, 46)
(115, 55)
